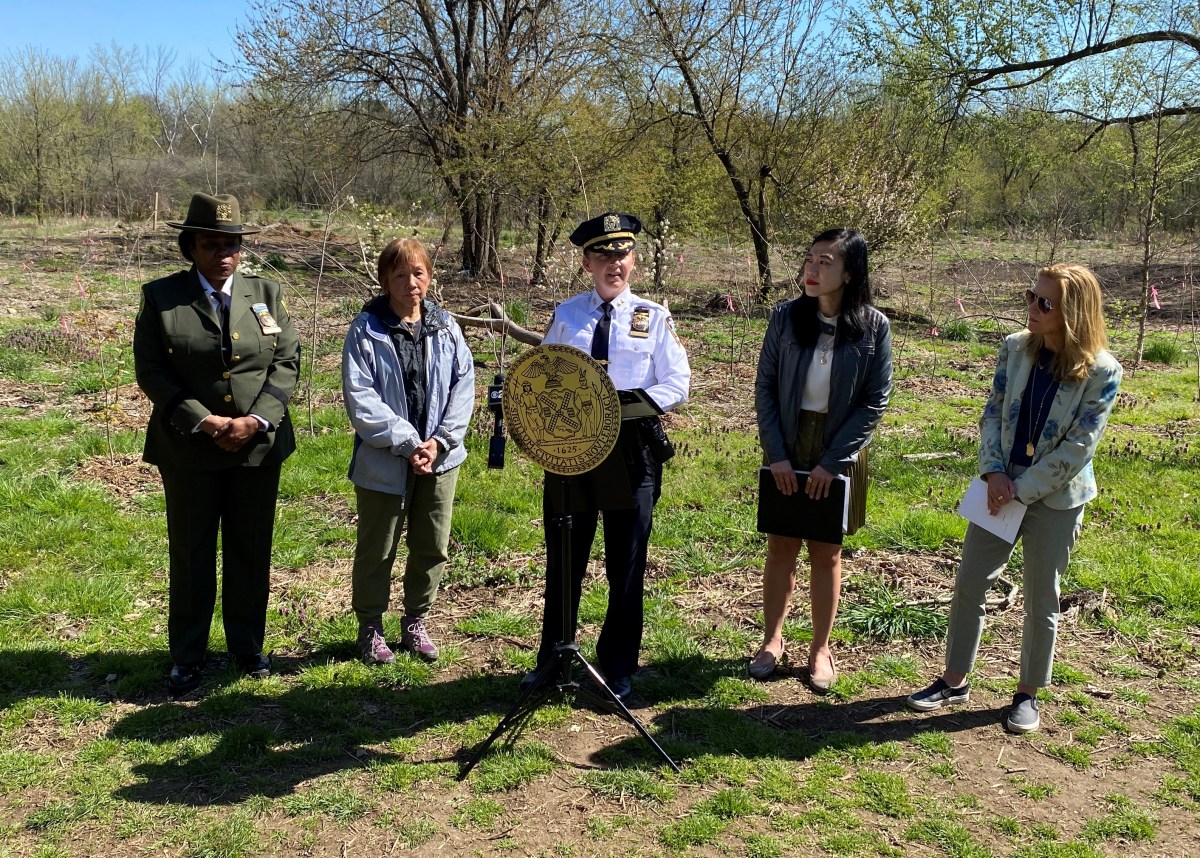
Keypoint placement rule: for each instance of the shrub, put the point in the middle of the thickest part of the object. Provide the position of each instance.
(959, 331)
(1163, 351)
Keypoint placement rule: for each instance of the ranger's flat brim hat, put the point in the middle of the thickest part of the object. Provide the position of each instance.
(611, 232)
(220, 214)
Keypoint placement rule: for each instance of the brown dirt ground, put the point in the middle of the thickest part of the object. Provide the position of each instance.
(555, 810)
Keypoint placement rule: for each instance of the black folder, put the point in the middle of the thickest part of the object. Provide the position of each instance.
(797, 514)
(637, 403)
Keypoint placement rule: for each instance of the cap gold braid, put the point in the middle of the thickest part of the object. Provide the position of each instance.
(608, 236)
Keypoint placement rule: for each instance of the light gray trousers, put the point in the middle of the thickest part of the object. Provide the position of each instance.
(1047, 536)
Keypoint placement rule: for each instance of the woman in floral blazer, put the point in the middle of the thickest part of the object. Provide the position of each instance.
(1052, 394)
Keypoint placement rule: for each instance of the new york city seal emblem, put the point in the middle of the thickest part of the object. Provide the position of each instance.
(562, 409)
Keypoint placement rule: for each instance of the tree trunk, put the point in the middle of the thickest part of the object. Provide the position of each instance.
(537, 276)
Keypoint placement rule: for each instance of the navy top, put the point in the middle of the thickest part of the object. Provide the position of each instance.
(410, 349)
(1039, 395)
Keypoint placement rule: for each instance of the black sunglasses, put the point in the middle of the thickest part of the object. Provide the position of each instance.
(1044, 304)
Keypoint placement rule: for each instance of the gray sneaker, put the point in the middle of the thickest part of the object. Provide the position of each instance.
(937, 695)
(1023, 716)
(414, 638)
(371, 645)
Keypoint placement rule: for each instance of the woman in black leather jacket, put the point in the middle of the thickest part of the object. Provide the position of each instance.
(824, 376)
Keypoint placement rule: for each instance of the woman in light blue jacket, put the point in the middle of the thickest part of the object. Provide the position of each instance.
(1052, 394)
(408, 381)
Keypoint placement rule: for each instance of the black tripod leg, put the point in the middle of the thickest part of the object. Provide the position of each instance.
(555, 675)
(530, 699)
(609, 697)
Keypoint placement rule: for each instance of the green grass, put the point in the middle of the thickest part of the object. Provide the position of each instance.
(885, 793)
(492, 623)
(1037, 791)
(620, 785)
(506, 770)
(479, 812)
(695, 829)
(884, 613)
(948, 836)
(1164, 351)
(1123, 822)
(91, 751)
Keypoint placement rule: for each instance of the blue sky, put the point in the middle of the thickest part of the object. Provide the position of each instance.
(65, 28)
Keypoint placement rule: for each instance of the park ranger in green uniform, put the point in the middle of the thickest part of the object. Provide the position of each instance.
(218, 357)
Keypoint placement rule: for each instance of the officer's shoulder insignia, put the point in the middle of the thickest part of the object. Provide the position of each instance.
(671, 328)
(639, 325)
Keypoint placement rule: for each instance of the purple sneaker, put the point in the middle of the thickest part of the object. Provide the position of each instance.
(372, 646)
(414, 638)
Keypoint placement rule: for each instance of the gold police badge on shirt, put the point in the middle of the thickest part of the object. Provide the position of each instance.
(639, 326)
(265, 320)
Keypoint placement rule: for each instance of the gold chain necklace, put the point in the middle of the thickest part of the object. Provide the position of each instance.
(1032, 421)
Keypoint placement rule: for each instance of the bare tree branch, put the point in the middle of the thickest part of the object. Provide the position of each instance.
(978, 76)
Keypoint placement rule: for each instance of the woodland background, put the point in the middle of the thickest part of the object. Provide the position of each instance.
(505, 120)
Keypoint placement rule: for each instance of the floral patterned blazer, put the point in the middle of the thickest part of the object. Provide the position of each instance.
(1061, 474)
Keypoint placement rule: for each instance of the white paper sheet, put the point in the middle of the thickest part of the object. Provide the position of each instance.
(1004, 523)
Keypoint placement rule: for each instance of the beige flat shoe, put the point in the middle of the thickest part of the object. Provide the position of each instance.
(822, 682)
(763, 664)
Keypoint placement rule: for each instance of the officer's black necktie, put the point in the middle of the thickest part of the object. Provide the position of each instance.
(600, 337)
(223, 311)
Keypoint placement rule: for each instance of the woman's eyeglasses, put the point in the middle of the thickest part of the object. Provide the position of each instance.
(1044, 304)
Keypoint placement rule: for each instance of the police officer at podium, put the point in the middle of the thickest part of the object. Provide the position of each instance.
(635, 341)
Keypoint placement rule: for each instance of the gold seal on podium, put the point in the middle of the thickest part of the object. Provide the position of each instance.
(562, 409)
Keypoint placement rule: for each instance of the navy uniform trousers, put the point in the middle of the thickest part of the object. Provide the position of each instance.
(626, 538)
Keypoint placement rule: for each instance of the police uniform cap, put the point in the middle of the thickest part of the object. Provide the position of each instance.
(611, 232)
(218, 214)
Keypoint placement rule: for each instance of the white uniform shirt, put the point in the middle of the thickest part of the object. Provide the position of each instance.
(656, 362)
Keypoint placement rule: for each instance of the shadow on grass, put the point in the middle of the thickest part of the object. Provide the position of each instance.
(326, 713)
(794, 732)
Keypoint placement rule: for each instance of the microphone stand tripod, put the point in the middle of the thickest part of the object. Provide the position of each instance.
(555, 675)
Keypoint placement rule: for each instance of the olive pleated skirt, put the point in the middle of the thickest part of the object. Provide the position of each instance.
(806, 454)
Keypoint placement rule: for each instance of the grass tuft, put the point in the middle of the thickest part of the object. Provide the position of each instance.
(883, 613)
(1123, 822)
(1163, 351)
(619, 784)
(884, 793)
(508, 769)
(695, 829)
(492, 623)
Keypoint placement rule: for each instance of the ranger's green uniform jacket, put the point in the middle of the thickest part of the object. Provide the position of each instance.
(180, 366)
